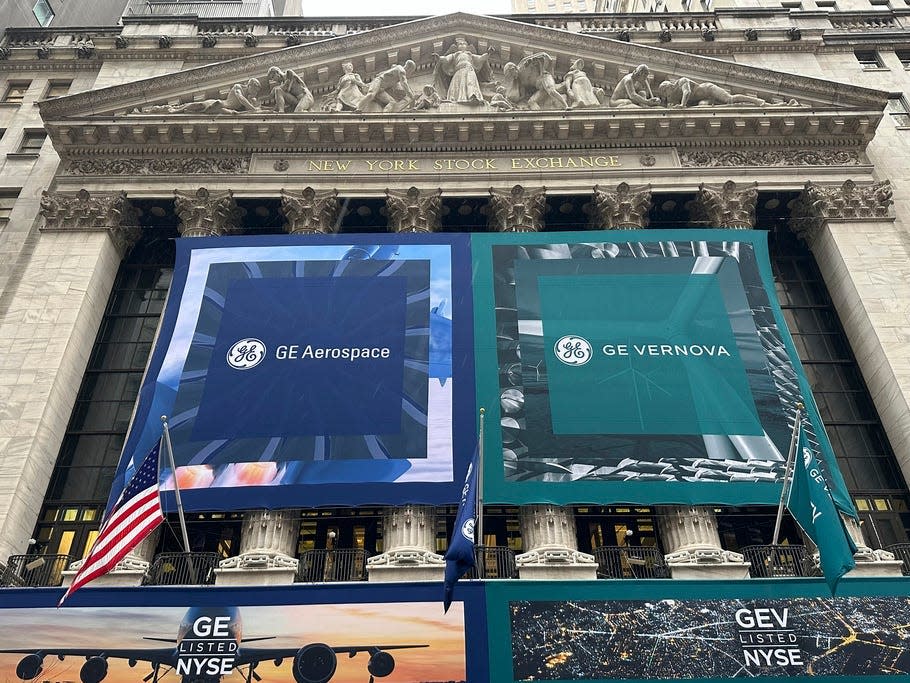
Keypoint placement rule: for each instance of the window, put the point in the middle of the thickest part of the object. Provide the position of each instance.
(57, 88)
(869, 60)
(828, 5)
(15, 91)
(43, 12)
(904, 57)
(7, 200)
(900, 112)
(31, 142)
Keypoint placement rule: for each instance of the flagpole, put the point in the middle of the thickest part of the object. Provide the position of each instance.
(479, 524)
(170, 455)
(788, 472)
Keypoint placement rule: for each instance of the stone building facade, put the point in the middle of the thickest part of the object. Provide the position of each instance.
(116, 140)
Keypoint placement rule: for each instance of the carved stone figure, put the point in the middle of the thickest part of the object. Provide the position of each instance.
(460, 71)
(428, 99)
(388, 89)
(289, 92)
(684, 92)
(413, 210)
(242, 97)
(517, 210)
(532, 80)
(349, 91)
(499, 101)
(579, 91)
(633, 90)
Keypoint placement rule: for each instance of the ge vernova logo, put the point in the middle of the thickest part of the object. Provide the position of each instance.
(573, 350)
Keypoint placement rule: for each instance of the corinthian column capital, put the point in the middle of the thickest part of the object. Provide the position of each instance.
(625, 208)
(207, 214)
(726, 206)
(413, 210)
(86, 212)
(310, 211)
(819, 204)
(518, 209)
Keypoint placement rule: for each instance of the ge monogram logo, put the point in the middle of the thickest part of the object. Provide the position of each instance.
(246, 354)
(467, 530)
(573, 350)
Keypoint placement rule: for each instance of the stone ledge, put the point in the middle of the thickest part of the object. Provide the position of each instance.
(276, 576)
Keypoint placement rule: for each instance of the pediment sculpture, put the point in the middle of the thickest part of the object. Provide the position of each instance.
(464, 80)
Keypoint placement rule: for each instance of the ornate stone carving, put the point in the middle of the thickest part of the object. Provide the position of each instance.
(549, 537)
(249, 40)
(793, 33)
(164, 42)
(790, 157)
(532, 81)
(84, 211)
(750, 34)
(625, 208)
(310, 211)
(708, 34)
(518, 209)
(267, 541)
(240, 98)
(409, 536)
(665, 35)
(209, 40)
(413, 210)
(726, 206)
(206, 214)
(348, 93)
(121, 42)
(288, 91)
(389, 90)
(459, 73)
(633, 90)
(43, 52)
(85, 49)
(690, 536)
(160, 166)
(5, 52)
(292, 39)
(684, 92)
(819, 204)
(624, 35)
(579, 90)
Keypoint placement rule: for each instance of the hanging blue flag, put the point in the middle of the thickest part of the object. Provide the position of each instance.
(460, 555)
(814, 509)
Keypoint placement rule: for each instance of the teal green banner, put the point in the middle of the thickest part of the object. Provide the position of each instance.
(599, 631)
(639, 367)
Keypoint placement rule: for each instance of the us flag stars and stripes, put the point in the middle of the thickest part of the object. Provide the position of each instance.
(137, 514)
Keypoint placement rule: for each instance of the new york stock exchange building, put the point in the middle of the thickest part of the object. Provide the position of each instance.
(616, 282)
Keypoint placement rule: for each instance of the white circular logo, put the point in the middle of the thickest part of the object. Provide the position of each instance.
(573, 350)
(246, 354)
(467, 530)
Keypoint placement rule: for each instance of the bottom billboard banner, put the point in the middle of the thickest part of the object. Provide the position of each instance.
(665, 631)
(303, 634)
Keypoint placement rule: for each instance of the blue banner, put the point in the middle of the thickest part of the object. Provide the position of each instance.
(308, 371)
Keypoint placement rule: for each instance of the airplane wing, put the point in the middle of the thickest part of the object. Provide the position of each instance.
(254, 655)
(152, 656)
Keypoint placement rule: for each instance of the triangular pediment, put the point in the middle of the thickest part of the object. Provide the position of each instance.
(503, 71)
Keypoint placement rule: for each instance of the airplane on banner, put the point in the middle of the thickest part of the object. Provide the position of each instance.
(210, 645)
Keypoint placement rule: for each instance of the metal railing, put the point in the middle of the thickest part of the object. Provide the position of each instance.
(34, 571)
(770, 561)
(182, 569)
(630, 562)
(346, 564)
(901, 552)
(493, 562)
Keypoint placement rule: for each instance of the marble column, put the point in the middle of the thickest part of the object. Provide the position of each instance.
(409, 532)
(409, 541)
(310, 211)
(207, 214)
(413, 210)
(625, 208)
(87, 233)
(518, 209)
(849, 227)
(689, 534)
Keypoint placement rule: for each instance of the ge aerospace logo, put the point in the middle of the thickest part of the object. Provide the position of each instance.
(246, 354)
(573, 350)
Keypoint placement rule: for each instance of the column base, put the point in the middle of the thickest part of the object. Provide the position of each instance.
(406, 564)
(707, 563)
(129, 572)
(556, 563)
(871, 563)
(257, 569)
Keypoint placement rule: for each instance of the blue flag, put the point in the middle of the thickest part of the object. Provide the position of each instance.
(460, 555)
(814, 509)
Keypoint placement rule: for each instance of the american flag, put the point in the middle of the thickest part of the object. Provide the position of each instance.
(136, 514)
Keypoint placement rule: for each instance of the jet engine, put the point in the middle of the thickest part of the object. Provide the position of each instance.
(381, 664)
(94, 670)
(314, 663)
(29, 667)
